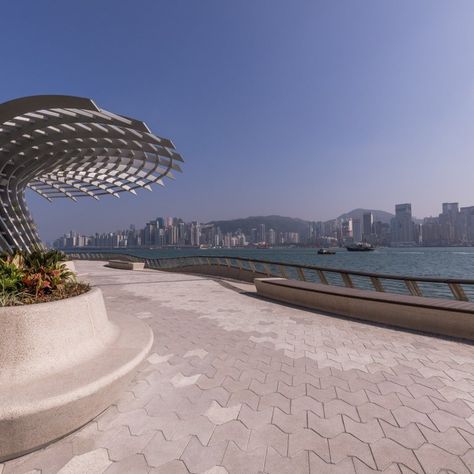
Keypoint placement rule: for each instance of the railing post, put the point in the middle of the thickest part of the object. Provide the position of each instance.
(239, 263)
(413, 287)
(322, 277)
(377, 284)
(301, 274)
(227, 261)
(252, 266)
(267, 269)
(283, 271)
(347, 280)
(458, 291)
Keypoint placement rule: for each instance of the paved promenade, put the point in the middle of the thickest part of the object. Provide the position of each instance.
(236, 384)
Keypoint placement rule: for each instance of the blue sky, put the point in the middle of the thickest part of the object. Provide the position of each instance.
(300, 108)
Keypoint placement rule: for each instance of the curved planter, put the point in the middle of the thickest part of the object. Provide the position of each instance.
(61, 364)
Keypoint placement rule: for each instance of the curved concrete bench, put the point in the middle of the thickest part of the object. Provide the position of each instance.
(61, 364)
(126, 265)
(432, 315)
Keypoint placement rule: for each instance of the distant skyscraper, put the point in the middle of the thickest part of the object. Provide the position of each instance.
(450, 207)
(195, 234)
(367, 225)
(346, 230)
(271, 237)
(262, 237)
(466, 219)
(450, 223)
(357, 230)
(402, 225)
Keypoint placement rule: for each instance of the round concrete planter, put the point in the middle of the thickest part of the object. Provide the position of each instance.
(61, 364)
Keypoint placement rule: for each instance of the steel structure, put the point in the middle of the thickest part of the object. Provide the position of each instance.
(67, 147)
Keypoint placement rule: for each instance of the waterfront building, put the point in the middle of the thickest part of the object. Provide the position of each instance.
(261, 237)
(466, 217)
(228, 240)
(150, 233)
(253, 236)
(450, 232)
(403, 232)
(346, 230)
(195, 234)
(430, 231)
(368, 226)
(272, 237)
(357, 230)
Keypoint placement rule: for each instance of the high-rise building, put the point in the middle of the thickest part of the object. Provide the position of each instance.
(261, 233)
(450, 208)
(466, 221)
(346, 230)
(272, 237)
(195, 234)
(430, 231)
(449, 224)
(356, 230)
(367, 226)
(403, 232)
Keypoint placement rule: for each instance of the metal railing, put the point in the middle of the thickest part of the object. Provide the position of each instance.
(447, 288)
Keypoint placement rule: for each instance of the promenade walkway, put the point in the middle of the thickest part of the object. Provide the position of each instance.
(236, 384)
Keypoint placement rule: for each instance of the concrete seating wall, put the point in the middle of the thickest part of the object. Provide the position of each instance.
(124, 265)
(61, 364)
(444, 317)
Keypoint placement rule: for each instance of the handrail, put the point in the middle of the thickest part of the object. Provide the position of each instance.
(410, 283)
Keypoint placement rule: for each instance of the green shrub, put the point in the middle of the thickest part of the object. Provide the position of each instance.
(37, 276)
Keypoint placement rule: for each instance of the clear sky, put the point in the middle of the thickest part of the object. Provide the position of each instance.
(299, 108)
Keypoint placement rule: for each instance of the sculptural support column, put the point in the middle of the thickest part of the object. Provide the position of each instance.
(67, 147)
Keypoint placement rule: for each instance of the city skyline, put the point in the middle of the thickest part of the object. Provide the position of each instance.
(453, 226)
(351, 102)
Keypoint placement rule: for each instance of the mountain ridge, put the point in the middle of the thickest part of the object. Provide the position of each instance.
(289, 224)
(378, 214)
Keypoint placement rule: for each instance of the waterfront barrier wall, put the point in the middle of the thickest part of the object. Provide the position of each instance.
(247, 269)
(442, 306)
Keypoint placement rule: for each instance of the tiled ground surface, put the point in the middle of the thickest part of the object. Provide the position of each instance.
(235, 384)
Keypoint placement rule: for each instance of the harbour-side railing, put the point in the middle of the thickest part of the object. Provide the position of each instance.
(447, 288)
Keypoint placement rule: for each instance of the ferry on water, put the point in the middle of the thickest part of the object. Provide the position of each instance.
(326, 252)
(360, 247)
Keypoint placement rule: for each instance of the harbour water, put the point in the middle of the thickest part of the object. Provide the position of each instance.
(445, 262)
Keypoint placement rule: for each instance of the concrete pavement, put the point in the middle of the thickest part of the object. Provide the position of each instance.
(236, 384)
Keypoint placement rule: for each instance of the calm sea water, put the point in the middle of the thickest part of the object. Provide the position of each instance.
(444, 262)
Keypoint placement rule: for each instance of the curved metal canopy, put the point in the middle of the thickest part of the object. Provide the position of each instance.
(64, 146)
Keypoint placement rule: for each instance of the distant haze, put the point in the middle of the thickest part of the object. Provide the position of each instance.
(302, 108)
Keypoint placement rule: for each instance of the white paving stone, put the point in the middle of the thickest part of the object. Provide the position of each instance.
(180, 380)
(220, 415)
(201, 353)
(217, 470)
(157, 359)
(93, 462)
